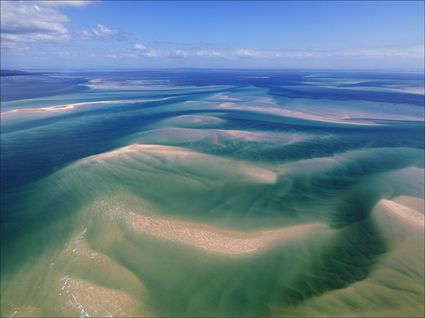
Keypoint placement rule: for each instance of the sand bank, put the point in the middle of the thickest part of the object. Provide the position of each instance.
(217, 136)
(159, 157)
(411, 90)
(143, 85)
(223, 96)
(72, 106)
(86, 299)
(405, 210)
(193, 120)
(296, 114)
(216, 240)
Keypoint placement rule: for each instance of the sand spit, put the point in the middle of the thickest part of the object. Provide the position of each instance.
(404, 212)
(214, 239)
(217, 136)
(260, 136)
(411, 90)
(414, 203)
(296, 114)
(193, 121)
(160, 157)
(68, 107)
(143, 85)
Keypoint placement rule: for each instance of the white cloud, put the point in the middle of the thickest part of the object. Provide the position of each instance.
(153, 53)
(416, 51)
(208, 53)
(30, 21)
(249, 53)
(100, 31)
(139, 46)
(180, 53)
(66, 3)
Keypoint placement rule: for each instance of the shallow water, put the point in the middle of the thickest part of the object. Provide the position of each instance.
(212, 194)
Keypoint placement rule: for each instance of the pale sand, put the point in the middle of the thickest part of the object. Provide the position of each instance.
(228, 104)
(403, 227)
(222, 96)
(198, 120)
(314, 165)
(197, 162)
(411, 90)
(60, 291)
(86, 299)
(67, 107)
(216, 240)
(267, 100)
(144, 85)
(217, 135)
(296, 114)
(403, 212)
(261, 136)
(414, 203)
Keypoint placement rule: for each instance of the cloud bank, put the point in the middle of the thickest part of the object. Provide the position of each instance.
(141, 50)
(30, 21)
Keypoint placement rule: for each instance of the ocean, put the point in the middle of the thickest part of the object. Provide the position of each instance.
(212, 193)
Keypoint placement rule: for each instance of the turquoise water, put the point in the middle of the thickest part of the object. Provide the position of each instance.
(212, 194)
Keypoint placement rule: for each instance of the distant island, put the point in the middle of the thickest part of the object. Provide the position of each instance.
(17, 73)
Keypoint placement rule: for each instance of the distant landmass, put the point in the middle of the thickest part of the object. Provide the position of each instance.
(16, 72)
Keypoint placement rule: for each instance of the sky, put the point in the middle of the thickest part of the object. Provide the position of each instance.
(212, 34)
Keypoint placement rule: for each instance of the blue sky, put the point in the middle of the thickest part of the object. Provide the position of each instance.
(241, 34)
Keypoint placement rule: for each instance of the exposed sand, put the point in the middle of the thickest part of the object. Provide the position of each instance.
(267, 100)
(296, 114)
(193, 120)
(223, 96)
(107, 289)
(86, 298)
(135, 85)
(216, 136)
(412, 90)
(403, 212)
(197, 163)
(228, 104)
(89, 300)
(217, 240)
(261, 136)
(67, 107)
(414, 203)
